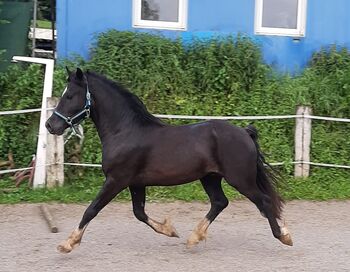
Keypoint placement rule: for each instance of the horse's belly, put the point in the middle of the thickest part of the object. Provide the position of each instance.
(174, 170)
(160, 178)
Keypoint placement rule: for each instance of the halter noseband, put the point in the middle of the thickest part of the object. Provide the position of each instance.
(74, 120)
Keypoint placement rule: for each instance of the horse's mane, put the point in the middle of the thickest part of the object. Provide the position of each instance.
(140, 111)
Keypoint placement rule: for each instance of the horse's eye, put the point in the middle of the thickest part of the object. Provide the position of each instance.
(69, 97)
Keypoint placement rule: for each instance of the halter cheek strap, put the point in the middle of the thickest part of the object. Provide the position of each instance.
(74, 120)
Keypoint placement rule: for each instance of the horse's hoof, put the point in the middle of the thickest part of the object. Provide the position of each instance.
(195, 238)
(285, 237)
(64, 247)
(199, 233)
(174, 234)
(168, 229)
(191, 243)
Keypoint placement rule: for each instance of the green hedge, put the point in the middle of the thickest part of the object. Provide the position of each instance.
(221, 76)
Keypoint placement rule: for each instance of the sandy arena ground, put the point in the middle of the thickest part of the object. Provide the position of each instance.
(239, 240)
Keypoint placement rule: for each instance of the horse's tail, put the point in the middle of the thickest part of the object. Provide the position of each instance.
(267, 178)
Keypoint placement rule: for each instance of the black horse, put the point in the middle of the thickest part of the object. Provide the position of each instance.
(140, 150)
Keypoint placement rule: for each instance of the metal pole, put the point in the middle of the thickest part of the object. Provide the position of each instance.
(53, 20)
(34, 27)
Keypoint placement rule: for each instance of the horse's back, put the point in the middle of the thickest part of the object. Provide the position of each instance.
(204, 140)
(180, 154)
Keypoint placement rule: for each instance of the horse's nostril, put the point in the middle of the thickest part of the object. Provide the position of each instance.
(48, 126)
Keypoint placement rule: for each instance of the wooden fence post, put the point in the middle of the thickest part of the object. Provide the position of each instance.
(302, 142)
(54, 154)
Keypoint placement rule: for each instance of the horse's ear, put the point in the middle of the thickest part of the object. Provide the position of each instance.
(79, 73)
(67, 69)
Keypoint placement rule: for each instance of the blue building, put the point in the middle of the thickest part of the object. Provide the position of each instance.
(288, 31)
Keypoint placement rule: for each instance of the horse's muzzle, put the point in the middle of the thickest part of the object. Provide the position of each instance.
(52, 130)
(48, 127)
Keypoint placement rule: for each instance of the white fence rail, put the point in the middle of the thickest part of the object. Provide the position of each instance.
(94, 165)
(208, 117)
(203, 117)
(301, 162)
(13, 112)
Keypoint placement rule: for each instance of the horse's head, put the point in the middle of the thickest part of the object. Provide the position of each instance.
(74, 105)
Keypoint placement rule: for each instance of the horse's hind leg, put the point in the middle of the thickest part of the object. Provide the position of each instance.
(138, 195)
(109, 190)
(212, 186)
(248, 187)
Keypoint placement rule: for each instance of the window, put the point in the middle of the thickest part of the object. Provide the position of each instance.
(162, 14)
(280, 17)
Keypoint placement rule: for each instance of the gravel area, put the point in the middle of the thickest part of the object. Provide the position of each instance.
(239, 240)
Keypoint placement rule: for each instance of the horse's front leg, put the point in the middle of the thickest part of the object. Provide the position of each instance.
(138, 195)
(218, 200)
(109, 190)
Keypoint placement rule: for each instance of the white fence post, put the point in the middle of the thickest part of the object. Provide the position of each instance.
(302, 142)
(54, 154)
(40, 158)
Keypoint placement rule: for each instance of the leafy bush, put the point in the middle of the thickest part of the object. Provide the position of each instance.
(21, 89)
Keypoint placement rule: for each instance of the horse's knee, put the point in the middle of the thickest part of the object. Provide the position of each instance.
(221, 203)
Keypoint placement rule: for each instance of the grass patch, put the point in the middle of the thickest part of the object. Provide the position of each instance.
(43, 24)
(323, 184)
(81, 190)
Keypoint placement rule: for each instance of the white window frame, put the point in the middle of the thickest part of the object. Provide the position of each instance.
(298, 32)
(180, 25)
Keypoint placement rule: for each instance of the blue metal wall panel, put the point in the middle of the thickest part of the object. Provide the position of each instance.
(78, 22)
(328, 23)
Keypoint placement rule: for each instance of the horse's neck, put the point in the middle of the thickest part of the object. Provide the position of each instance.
(106, 110)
